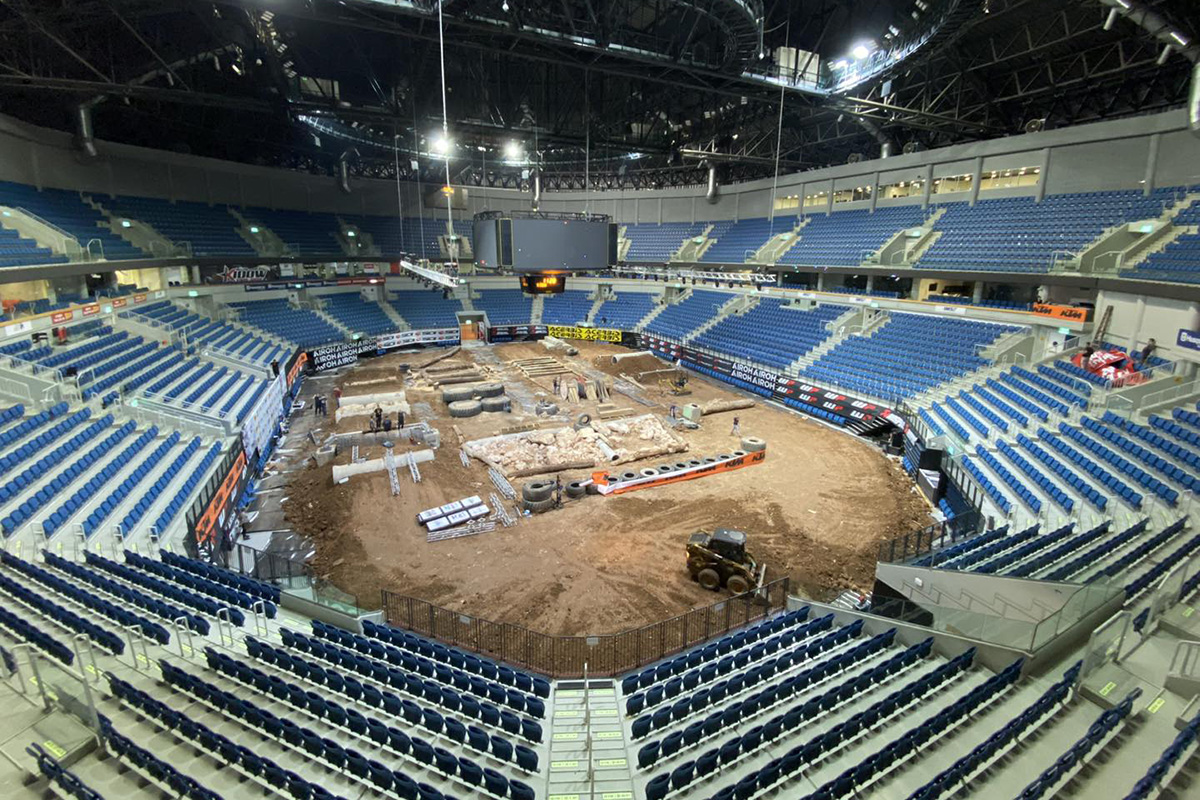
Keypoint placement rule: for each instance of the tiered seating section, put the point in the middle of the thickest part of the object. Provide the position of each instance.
(737, 242)
(907, 355)
(304, 233)
(569, 308)
(625, 310)
(68, 211)
(278, 318)
(426, 309)
(210, 230)
(654, 243)
(1017, 234)
(1179, 261)
(771, 333)
(678, 320)
(357, 314)
(409, 234)
(847, 238)
(505, 306)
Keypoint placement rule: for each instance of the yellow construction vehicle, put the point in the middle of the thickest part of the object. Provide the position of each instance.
(719, 559)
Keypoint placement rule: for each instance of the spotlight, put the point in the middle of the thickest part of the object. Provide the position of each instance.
(441, 144)
(861, 51)
(512, 151)
(504, 7)
(126, 223)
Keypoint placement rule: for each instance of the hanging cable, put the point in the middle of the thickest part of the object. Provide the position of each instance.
(448, 193)
(778, 138)
(399, 199)
(420, 194)
(587, 144)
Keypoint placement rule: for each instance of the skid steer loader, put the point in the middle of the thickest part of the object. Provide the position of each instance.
(719, 559)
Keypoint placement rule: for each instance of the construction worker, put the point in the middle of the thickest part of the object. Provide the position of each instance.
(337, 396)
(400, 419)
(378, 415)
(737, 427)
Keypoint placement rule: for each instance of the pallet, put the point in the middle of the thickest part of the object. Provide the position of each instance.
(610, 411)
(470, 529)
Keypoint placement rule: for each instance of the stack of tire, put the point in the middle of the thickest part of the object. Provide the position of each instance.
(750, 444)
(469, 401)
(538, 496)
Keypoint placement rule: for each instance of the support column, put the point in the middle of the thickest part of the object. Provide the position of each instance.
(976, 175)
(874, 190)
(870, 283)
(928, 185)
(1043, 175)
(820, 281)
(977, 293)
(1137, 324)
(829, 201)
(1151, 164)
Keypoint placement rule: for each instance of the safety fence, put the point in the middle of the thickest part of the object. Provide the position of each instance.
(575, 656)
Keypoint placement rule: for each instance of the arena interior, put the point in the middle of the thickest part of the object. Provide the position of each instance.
(581, 400)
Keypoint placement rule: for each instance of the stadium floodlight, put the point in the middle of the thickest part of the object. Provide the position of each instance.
(254, 229)
(351, 234)
(504, 6)
(512, 151)
(126, 223)
(441, 144)
(862, 50)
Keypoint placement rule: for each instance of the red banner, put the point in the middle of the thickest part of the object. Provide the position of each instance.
(120, 302)
(61, 316)
(88, 310)
(139, 298)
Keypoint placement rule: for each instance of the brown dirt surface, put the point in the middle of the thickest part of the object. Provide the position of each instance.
(814, 510)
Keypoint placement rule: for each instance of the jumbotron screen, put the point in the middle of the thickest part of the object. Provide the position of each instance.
(561, 243)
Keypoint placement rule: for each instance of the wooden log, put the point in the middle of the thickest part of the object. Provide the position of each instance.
(542, 470)
(453, 351)
(652, 452)
(718, 406)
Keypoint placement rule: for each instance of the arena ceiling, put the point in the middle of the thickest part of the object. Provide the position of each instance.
(614, 93)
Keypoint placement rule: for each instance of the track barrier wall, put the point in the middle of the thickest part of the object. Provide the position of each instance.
(573, 656)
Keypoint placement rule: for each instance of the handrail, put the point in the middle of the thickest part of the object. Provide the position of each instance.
(1185, 661)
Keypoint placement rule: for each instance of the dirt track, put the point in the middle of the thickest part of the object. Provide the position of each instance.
(814, 510)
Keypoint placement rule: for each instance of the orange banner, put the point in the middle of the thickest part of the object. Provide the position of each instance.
(139, 298)
(88, 310)
(1061, 312)
(61, 316)
(120, 302)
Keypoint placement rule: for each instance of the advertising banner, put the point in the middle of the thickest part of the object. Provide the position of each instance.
(780, 387)
(293, 366)
(1188, 339)
(584, 334)
(120, 302)
(89, 310)
(61, 316)
(139, 298)
(339, 355)
(390, 341)
(516, 333)
(215, 522)
(1061, 312)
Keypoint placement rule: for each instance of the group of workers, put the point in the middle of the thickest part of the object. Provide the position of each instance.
(377, 420)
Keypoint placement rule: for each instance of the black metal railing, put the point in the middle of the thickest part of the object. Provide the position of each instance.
(573, 656)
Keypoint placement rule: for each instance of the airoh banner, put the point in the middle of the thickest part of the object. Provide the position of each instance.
(584, 334)
(339, 355)
(780, 386)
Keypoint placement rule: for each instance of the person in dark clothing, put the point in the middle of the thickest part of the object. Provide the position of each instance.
(1087, 351)
(378, 414)
(1148, 350)
(399, 419)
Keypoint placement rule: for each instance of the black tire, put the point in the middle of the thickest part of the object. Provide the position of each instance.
(495, 404)
(465, 408)
(695, 462)
(665, 468)
(489, 390)
(583, 419)
(737, 584)
(593, 488)
(709, 579)
(538, 506)
(752, 444)
(537, 491)
(723, 456)
(575, 489)
(681, 465)
(739, 453)
(628, 476)
(710, 460)
(455, 394)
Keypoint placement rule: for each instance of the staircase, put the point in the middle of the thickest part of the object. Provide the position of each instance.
(316, 309)
(1134, 256)
(623, 244)
(536, 309)
(263, 240)
(355, 241)
(654, 312)
(734, 305)
(45, 234)
(777, 245)
(903, 249)
(691, 250)
(139, 234)
(394, 316)
(807, 359)
(590, 319)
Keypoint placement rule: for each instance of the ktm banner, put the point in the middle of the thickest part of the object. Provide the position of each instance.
(61, 316)
(217, 517)
(1061, 312)
(584, 334)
